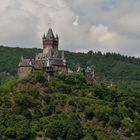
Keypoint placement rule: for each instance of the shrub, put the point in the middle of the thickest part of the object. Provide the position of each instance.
(41, 78)
(65, 128)
(115, 121)
(25, 101)
(103, 114)
(89, 115)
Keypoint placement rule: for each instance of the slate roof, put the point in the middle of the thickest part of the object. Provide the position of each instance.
(25, 63)
(50, 34)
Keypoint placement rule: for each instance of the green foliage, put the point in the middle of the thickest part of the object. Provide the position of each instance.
(65, 128)
(67, 108)
(115, 121)
(24, 101)
(88, 137)
(37, 77)
(103, 114)
(14, 126)
(110, 66)
(41, 77)
(89, 132)
(105, 93)
(10, 57)
(72, 79)
(8, 86)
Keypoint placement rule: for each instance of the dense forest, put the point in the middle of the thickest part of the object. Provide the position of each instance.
(109, 66)
(67, 108)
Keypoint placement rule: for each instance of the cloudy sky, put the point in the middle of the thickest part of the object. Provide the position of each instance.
(82, 25)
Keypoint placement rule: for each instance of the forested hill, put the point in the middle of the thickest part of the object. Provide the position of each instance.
(67, 108)
(110, 66)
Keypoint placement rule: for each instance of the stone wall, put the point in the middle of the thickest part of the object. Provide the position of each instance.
(39, 64)
(24, 71)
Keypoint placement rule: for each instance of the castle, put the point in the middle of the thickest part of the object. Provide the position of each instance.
(50, 60)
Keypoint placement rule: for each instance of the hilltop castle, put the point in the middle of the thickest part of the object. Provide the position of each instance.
(50, 60)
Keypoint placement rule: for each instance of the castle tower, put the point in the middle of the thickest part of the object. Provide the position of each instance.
(50, 42)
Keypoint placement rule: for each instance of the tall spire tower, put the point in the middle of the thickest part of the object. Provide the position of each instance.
(50, 42)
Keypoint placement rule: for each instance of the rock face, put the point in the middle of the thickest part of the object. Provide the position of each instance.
(50, 60)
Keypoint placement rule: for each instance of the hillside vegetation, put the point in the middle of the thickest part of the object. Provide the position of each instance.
(67, 108)
(110, 67)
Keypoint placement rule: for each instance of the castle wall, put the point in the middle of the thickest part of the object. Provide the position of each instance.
(56, 50)
(46, 49)
(24, 71)
(39, 64)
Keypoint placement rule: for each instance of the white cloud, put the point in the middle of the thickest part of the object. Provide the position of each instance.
(130, 23)
(106, 40)
(107, 25)
(76, 22)
(102, 36)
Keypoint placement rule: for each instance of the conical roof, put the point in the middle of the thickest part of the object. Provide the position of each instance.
(50, 34)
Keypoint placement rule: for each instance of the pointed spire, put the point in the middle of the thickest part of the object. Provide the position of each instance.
(50, 34)
(79, 68)
(44, 37)
(21, 58)
(63, 58)
(57, 37)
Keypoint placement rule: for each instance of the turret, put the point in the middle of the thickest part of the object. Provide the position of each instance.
(57, 38)
(63, 58)
(44, 37)
(21, 58)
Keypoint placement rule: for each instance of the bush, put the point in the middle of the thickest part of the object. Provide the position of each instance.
(89, 132)
(36, 76)
(41, 78)
(16, 126)
(8, 86)
(65, 128)
(72, 79)
(103, 114)
(89, 115)
(115, 121)
(25, 101)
